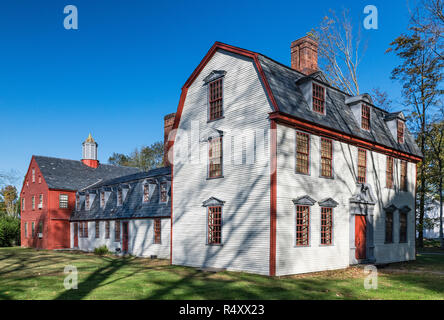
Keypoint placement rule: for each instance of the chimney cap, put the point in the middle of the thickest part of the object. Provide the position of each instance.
(169, 116)
(305, 39)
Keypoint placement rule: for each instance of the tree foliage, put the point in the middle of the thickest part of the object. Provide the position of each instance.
(9, 199)
(145, 158)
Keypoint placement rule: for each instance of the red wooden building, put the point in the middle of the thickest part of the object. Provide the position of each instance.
(49, 191)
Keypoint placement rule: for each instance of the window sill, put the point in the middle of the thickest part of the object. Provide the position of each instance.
(213, 178)
(302, 246)
(215, 244)
(329, 178)
(385, 242)
(327, 245)
(212, 120)
(304, 174)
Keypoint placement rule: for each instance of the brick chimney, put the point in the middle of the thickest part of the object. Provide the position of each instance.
(167, 126)
(304, 55)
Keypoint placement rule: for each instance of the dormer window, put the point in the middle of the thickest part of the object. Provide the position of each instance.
(119, 197)
(146, 193)
(400, 130)
(87, 201)
(102, 199)
(163, 192)
(77, 202)
(215, 99)
(318, 98)
(365, 119)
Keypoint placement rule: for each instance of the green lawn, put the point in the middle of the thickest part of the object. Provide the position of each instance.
(31, 274)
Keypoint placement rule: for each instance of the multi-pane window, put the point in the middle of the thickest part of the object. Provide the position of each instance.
(163, 192)
(403, 180)
(40, 226)
(40, 200)
(214, 225)
(365, 119)
(23, 204)
(77, 202)
(87, 201)
(85, 229)
(318, 98)
(63, 201)
(40, 179)
(326, 158)
(117, 231)
(326, 225)
(400, 130)
(389, 227)
(215, 99)
(362, 165)
(119, 197)
(107, 229)
(97, 229)
(32, 229)
(26, 229)
(215, 157)
(33, 202)
(402, 227)
(146, 193)
(102, 199)
(302, 225)
(389, 173)
(33, 175)
(157, 231)
(302, 152)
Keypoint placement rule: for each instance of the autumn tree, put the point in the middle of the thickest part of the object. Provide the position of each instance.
(145, 158)
(8, 195)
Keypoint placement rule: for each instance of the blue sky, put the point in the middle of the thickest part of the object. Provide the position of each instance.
(122, 70)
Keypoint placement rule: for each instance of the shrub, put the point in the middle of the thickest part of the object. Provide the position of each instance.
(100, 251)
(9, 231)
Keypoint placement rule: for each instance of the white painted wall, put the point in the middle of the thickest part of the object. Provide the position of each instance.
(140, 240)
(245, 188)
(291, 259)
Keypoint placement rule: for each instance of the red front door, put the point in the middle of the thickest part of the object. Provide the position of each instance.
(76, 237)
(360, 226)
(125, 237)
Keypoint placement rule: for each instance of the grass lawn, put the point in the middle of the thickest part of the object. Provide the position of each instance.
(31, 274)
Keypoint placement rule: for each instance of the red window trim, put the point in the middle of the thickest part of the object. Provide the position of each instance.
(403, 178)
(146, 193)
(300, 154)
(163, 192)
(362, 179)
(318, 101)
(400, 131)
(97, 227)
(389, 172)
(327, 157)
(157, 231)
(214, 225)
(365, 120)
(326, 226)
(302, 225)
(215, 99)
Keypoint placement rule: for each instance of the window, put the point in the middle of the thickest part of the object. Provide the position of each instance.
(117, 231)
(97, 229)
(400, 129)
(326, 158)
(33, 175)
(40, 179)
(119, 197)
(40, 226)
(33, 202)
(302, 152)
(85, 229)
(87, 201)
(302, 225)
(215, 157)
(365, 120)
(146, 193)
(388, 227)
(362, 165)
(326, 225)
(214, 225)
(26, 229)
(215, 99)
(106, 229)
(157, 231)
(40, 201)
(63, 201)
(23, 204)
(163, 192)
(403, 182)
(78, 202)
(102, 199)
(402, 227)
(389, 173)
(33, 229)
(318, 98)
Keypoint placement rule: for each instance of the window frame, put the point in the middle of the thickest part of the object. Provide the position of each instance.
(85, 229)
(403, 179)
(26, 229)
(102, 199)
(389, 170)
(307, 225)
(145, 193)
(157, 228)
(211, 238)
(386, 240)
(210, 158)
(358, 177)
(32, 229)
(210, 100)
(331, 230)
(365, 115)
(316, 87)
(97, 229)
(163, 193)
(33, 202)
(33, 175)
(330, 141)
(307, 154)
(60, 201)
(40, 205)
(87, 201)
(119, 197)
(400, 130)
(403, 214)
(107, 228)
(117, 232)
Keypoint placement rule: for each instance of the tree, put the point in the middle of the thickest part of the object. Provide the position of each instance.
(148, 157)
(8, 196)
(420, 73)
(339, 51)
(381, 99)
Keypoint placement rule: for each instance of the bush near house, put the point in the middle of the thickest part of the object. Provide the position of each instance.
(9, 231)
(100, 251)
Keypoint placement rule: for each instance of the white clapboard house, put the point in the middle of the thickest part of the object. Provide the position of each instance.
(276, 172)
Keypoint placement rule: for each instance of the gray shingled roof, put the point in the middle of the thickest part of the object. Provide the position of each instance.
(289, 98)
(74, 175)
(132, 206)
